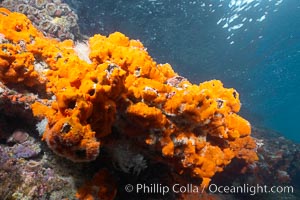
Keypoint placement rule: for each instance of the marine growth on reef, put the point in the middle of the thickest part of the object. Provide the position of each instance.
(115, 85)
(53, 17)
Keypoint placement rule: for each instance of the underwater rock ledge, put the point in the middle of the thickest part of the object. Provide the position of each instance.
(108, 93)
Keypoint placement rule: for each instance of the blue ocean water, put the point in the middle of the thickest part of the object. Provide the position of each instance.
(251, 45)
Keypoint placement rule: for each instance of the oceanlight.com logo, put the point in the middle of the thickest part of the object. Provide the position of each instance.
(158, 188)
(250, 189)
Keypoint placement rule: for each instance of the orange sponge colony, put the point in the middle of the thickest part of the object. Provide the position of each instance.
(194, 127)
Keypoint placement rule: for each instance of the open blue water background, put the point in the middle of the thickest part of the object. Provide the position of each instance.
(251, 45)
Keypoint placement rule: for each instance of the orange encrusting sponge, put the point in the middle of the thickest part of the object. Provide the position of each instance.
(194, 127)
